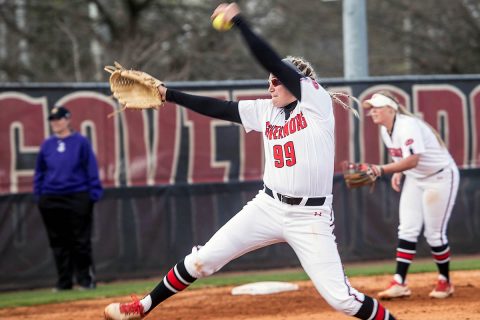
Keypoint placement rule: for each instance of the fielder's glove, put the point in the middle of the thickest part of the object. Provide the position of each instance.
(134, 89)
(360, 174)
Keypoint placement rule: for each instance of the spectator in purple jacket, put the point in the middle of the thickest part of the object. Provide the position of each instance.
(66, 186)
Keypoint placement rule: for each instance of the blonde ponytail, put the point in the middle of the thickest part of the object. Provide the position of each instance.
(307, 70)
(335, 97)
(404, 111)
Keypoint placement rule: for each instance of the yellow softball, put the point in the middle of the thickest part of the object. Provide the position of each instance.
(220, 24)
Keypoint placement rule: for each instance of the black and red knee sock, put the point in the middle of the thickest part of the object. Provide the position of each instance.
(372, 309)
(176, 280)
(406, 251)
(441, 255)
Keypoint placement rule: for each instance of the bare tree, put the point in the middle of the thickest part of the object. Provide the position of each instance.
(441, 37)
(173, 39)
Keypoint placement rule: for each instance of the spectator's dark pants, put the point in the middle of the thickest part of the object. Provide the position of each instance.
(68, 220)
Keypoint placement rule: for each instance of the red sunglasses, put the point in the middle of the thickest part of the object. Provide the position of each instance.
(274, 82)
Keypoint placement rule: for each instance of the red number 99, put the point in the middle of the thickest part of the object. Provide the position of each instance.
(290, 154)
(284, 155)
(278, 156)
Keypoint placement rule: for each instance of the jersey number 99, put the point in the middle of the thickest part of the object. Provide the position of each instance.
(284, 155)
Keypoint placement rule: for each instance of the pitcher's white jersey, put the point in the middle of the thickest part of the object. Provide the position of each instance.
(412, 136)
(299, 152)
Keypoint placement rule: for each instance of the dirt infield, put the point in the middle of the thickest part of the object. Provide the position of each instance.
(304, 304)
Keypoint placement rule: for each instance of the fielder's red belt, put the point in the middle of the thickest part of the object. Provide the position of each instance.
(311, 202)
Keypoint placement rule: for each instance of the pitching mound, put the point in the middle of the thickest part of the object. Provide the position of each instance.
(303, 304)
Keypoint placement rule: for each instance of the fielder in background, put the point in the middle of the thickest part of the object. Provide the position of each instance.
(295, 205)
(66, 185)
(428, 191)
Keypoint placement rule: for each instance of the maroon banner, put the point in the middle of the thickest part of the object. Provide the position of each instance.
(175, 145)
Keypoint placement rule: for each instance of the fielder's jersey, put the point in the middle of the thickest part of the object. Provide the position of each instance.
(412, 136)
(299, 152)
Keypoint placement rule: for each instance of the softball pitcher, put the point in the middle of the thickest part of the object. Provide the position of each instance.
(428, 192)
(295, 206)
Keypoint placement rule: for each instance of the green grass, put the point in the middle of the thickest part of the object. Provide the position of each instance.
(45, 296)
(416, 267)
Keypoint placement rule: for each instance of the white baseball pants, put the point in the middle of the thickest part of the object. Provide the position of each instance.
(308, 230)
(428, 202)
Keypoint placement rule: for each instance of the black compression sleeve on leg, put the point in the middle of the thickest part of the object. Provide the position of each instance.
(406, 251)
(176, 280)
(407, 245)
(372, 309)
(366, 309)
(441, 255)
(269, 59)
(215, 108)
(182, 271)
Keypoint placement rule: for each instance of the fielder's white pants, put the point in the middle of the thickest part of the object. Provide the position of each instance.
(428, 202)
(308, 230)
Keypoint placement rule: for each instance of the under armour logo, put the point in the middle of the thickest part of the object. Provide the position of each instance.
(317, 214)
(61, 146)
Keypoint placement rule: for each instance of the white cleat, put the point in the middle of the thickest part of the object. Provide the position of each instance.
(124, 311)
(442, 290)
(395, 290)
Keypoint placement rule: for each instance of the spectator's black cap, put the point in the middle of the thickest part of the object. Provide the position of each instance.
(59, 113)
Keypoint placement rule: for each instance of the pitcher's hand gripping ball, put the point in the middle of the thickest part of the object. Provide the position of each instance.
(360, 174)
(134, 89)
(220, 24)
